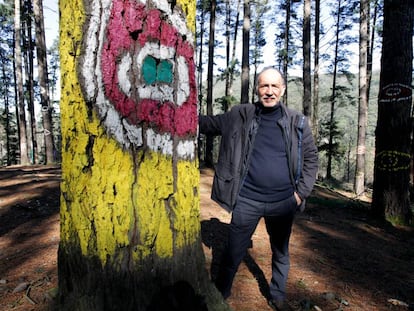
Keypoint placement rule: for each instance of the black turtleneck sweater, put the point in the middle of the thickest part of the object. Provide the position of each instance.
(268, 177)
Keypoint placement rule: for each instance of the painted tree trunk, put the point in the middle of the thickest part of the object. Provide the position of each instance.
(130, 223)
(394, 124)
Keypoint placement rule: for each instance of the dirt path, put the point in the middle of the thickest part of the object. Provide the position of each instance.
(340, 259)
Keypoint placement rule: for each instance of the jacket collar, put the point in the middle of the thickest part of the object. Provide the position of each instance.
(259, 108)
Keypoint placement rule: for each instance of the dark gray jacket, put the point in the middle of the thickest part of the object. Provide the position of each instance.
(238, 128)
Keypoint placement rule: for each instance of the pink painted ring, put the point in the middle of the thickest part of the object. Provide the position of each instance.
(130, 28)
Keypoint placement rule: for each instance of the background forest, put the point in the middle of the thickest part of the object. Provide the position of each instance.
(330, 50)
(269, 45)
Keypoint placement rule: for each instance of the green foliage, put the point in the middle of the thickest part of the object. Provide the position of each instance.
(9, 139)
(53, 66)
(294, 29)
(398, 220)
(340, 201)
(232, 70)
(301, 284)
(328, 202)
(257, 38)
(8, 125)
(327, 127)
(226, 102)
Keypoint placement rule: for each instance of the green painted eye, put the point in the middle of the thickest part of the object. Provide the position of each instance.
(149, 70)
(156, 71)
(164, 72)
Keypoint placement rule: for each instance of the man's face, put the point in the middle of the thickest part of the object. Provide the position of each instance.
(270, 87)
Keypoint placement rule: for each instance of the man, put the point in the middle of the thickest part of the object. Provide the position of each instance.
(266, 167)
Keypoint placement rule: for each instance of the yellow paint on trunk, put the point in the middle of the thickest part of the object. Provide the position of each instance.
(172, 219)
(189, 8)
(187, 209)
(114, 201)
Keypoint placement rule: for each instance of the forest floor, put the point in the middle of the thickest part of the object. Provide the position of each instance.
(341, 259)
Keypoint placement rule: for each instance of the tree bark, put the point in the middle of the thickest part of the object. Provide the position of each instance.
(21, 115)
(333, 96)
(315, 110)
(394, 124)
(29, 70)
(286, 50)
(227, 36)
(130, 224)
(307, 95)
(233, 53)
(245, 76)
(209, 161)
(43, 81)
(6, 83)
(359, 185)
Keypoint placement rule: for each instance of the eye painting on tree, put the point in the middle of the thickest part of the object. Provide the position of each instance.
(130, 202)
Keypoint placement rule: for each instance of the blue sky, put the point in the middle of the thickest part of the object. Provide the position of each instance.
(51, 14)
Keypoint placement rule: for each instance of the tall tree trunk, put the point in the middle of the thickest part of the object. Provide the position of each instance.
(209, 161)
(227, 71)
(394, 124)
(245, 76)
(253, 94)
(6, 85)
(24, 159)
(233, 54)
(201, 29)
(43, 81)
(28, 61)
(257, 42)
(371, 44)
(8, 136)
(130, 224)
(315, 110)
(359, 185)
(307, 95)
(230, 52)
(333, 97)
(286, 48)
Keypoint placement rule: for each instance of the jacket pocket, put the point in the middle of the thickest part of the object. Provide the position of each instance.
(224, 186)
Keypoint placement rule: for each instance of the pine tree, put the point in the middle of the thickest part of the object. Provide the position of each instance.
(21, 116)
(47, 108)
(394, 124)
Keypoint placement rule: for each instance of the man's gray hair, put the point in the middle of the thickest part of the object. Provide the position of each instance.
(270, 68)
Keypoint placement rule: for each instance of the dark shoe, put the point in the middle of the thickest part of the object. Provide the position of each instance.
(279, 305)
(225, 291)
